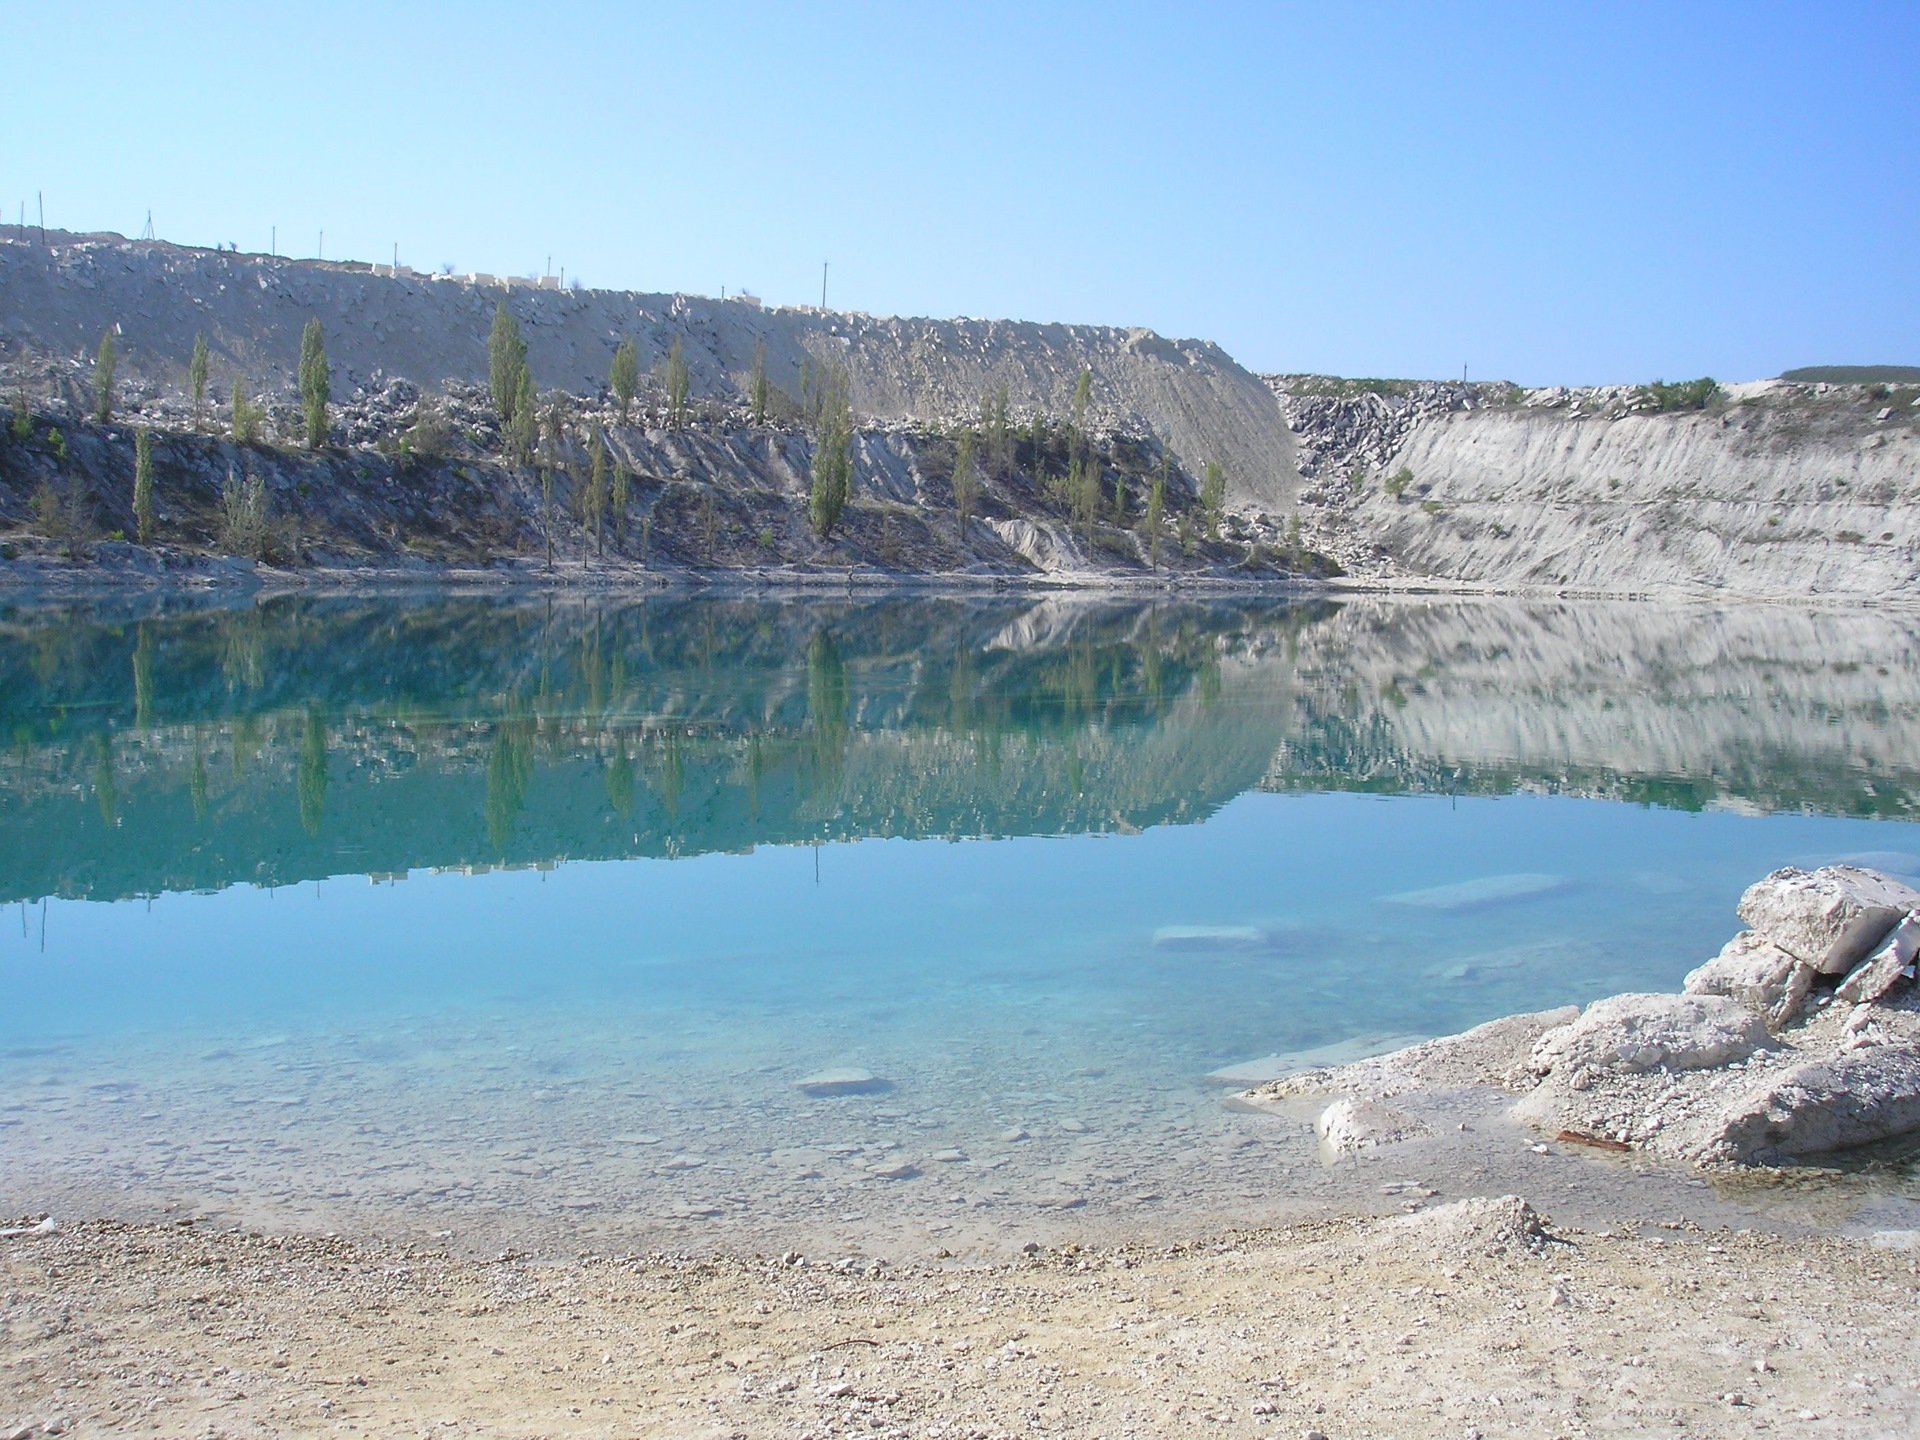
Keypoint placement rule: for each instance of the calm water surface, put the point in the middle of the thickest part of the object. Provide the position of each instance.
(517, 924)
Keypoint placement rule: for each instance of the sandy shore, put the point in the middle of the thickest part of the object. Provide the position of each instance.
(1460, 1321)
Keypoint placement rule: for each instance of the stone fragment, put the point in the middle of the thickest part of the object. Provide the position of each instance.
(1886, 967)
(1631, 1033)
(845, 1080)
(1750, 968)
(1830, 917)
(1349, 1125)
(1470, 894)
(1858, 1097)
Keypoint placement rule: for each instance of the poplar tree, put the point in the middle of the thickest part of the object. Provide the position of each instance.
(622, 490)
(966, 478)
(832, 459)
(1213, 497)
(623, 376)
(506, 360)
(103, 380)
(762, 390)
(522, 418)
(197, 378)
(678, 384)
(596, 497)
(1156, 508)
(143, 485)
(316, 382)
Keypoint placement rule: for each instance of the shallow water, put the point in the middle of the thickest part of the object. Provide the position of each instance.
(1039, 867)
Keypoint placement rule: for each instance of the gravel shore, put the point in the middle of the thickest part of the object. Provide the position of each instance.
(1473, 1319)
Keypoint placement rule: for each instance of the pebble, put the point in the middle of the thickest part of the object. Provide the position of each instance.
(1013, 1134)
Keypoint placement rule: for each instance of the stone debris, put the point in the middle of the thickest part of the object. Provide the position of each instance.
(1759, 974)
(1638, 1032)
(1885, 968)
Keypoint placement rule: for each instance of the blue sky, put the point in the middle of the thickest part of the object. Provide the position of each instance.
(1547, 193)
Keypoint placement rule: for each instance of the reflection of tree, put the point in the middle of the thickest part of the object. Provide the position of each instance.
(143, 677)
(827, 708)
(197, 781)
(509, 770)
(105, 793)
(243, 649)
(313, 773)
(671, 774)
(620, 781)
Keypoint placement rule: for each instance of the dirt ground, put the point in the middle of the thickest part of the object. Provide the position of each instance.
(1463, 1321)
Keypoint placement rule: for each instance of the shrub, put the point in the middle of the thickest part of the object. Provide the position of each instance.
(1662, 396)
(57, 443)
(1398, 481)
(243, 516)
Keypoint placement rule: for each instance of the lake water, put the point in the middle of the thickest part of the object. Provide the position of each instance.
(516, 924)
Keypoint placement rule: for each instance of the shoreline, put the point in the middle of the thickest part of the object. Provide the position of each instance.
(1481, 1318)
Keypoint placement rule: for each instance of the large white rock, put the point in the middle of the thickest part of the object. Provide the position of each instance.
(1830, 917)
(1750, 968)
(1832, 1103)
(1631, 1033)
(1348, 1125)
(1886, 967)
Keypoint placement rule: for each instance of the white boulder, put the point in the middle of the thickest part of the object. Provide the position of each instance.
(1886, 967)
(1632, 1033)
(1821, 1105)
(1349, 1125)
(1750, 968)
(1830, 917)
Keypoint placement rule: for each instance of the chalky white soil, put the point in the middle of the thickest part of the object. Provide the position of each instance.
(1460, 1321)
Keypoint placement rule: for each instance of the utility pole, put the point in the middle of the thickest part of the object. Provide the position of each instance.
(322, 249)
(823, 284)
(396, 259)
(147, 234)
(40, 197)
(273, 242)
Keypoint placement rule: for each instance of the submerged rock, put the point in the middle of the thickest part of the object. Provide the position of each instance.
(1830, 918)
(1489, 890)
(1200, 938)
(845, 1080)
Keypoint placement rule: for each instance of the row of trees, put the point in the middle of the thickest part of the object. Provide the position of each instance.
(315, 383)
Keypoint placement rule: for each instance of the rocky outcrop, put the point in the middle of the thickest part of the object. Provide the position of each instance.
(1733, 1073)
(56, 300)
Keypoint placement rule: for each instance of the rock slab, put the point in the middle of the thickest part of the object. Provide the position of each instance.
(1829, 918)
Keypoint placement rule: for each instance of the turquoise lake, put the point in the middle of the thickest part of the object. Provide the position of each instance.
(515, 924)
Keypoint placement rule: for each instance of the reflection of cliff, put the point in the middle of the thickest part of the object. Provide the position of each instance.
(297, 740)
(302, 739)
(1688, 706)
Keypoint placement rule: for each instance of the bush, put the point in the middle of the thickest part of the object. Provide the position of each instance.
(1661, 397)
(243, 516)
(1397, 483)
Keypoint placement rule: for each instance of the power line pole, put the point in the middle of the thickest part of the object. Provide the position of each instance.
(322, 253)
(823, 284)
(273, 241)
(40, 197)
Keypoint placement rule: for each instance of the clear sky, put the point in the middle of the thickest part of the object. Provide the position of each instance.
(1549, 193)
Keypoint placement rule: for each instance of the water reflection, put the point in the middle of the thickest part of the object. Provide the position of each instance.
(302, 738)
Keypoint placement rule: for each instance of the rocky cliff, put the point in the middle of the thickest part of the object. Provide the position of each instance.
(1769, 490)
(57, 299)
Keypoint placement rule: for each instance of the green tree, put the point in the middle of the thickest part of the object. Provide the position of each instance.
(247, 416)
(996, 434)
(1156, 509)
(103, 369)
(1083, 488)
(197, 379)
(523, 422)
(506, 361)
(624, 376)
(679, 382)
(966, 477)
(143, 485)
(595, 504)
(1082, 393)
(622, 493)
(832, 456)
(316, 382)
(761, 389)
(1213, 497)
